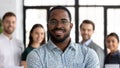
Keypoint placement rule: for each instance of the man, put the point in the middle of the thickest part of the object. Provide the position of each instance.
(10, 48)
(60, 51)
(87, 28)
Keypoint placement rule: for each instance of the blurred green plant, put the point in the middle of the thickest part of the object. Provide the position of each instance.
(0, 25)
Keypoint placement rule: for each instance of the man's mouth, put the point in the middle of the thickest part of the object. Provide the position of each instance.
(59, 32)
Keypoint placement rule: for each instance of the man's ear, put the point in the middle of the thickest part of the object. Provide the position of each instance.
(71, 25)
(47, 25)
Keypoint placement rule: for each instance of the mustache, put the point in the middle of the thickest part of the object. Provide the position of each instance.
(59, 29)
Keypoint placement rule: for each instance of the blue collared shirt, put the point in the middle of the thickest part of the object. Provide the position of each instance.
(50, 56)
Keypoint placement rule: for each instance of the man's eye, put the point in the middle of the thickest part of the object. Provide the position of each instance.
(53, 22)
(64, 22)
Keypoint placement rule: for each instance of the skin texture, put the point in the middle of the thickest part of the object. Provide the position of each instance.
(59, 27)
(112, 44)
(38, 36)
(9, 25)
(86, 31)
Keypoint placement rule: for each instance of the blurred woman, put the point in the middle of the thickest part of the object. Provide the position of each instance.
(36, 38)
(112, 42)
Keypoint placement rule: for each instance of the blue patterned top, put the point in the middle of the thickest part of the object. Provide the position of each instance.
(50, 56)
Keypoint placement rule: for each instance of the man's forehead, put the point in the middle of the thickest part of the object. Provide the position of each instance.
(58, 12)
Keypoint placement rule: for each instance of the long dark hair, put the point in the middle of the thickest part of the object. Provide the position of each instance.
(30, 37)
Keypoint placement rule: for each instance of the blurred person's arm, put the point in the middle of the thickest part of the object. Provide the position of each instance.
(23, 63)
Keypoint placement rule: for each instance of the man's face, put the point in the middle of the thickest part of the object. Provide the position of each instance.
(9, 24)
(59, 25)
(86, 31)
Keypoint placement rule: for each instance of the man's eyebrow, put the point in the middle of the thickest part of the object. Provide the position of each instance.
(53, 19)
(63, 19)
(56, 20)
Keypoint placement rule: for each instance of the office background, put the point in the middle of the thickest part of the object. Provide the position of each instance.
(104, 13)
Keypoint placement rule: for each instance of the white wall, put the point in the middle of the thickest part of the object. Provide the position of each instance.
(15, 6)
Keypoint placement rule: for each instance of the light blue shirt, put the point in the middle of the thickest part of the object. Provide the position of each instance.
(50, 56)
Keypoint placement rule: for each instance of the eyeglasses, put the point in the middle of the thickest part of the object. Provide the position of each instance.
(55, 22)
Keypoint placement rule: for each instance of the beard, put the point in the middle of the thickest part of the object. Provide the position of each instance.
(57, 39)
(85, 37)
(8, 31)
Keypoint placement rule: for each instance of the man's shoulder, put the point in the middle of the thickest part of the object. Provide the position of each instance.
(96, 48)
(39, 52)
(41, 49)
(17, 41)
(94, 45)
(84, 49)
(82, 46)
(1, 36)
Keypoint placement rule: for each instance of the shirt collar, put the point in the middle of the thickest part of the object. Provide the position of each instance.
(5, 36)
(87, 42)
(52, 46)
(116, 52)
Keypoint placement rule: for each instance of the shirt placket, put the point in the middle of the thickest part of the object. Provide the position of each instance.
(63, 60)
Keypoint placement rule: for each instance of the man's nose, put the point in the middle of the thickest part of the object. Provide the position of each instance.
(59, 24)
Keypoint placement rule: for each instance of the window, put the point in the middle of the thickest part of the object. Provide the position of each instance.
(47, 2)
(99, 2)
(36, 12)
(99, 11)
(113, 21)
(34, 16)
(96, 15)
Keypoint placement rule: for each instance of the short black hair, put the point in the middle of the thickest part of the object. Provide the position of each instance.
(7, 14)
(113, 34)
(59, 7)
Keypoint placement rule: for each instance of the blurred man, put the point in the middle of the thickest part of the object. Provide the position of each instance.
(87, 28)
(10, 47)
